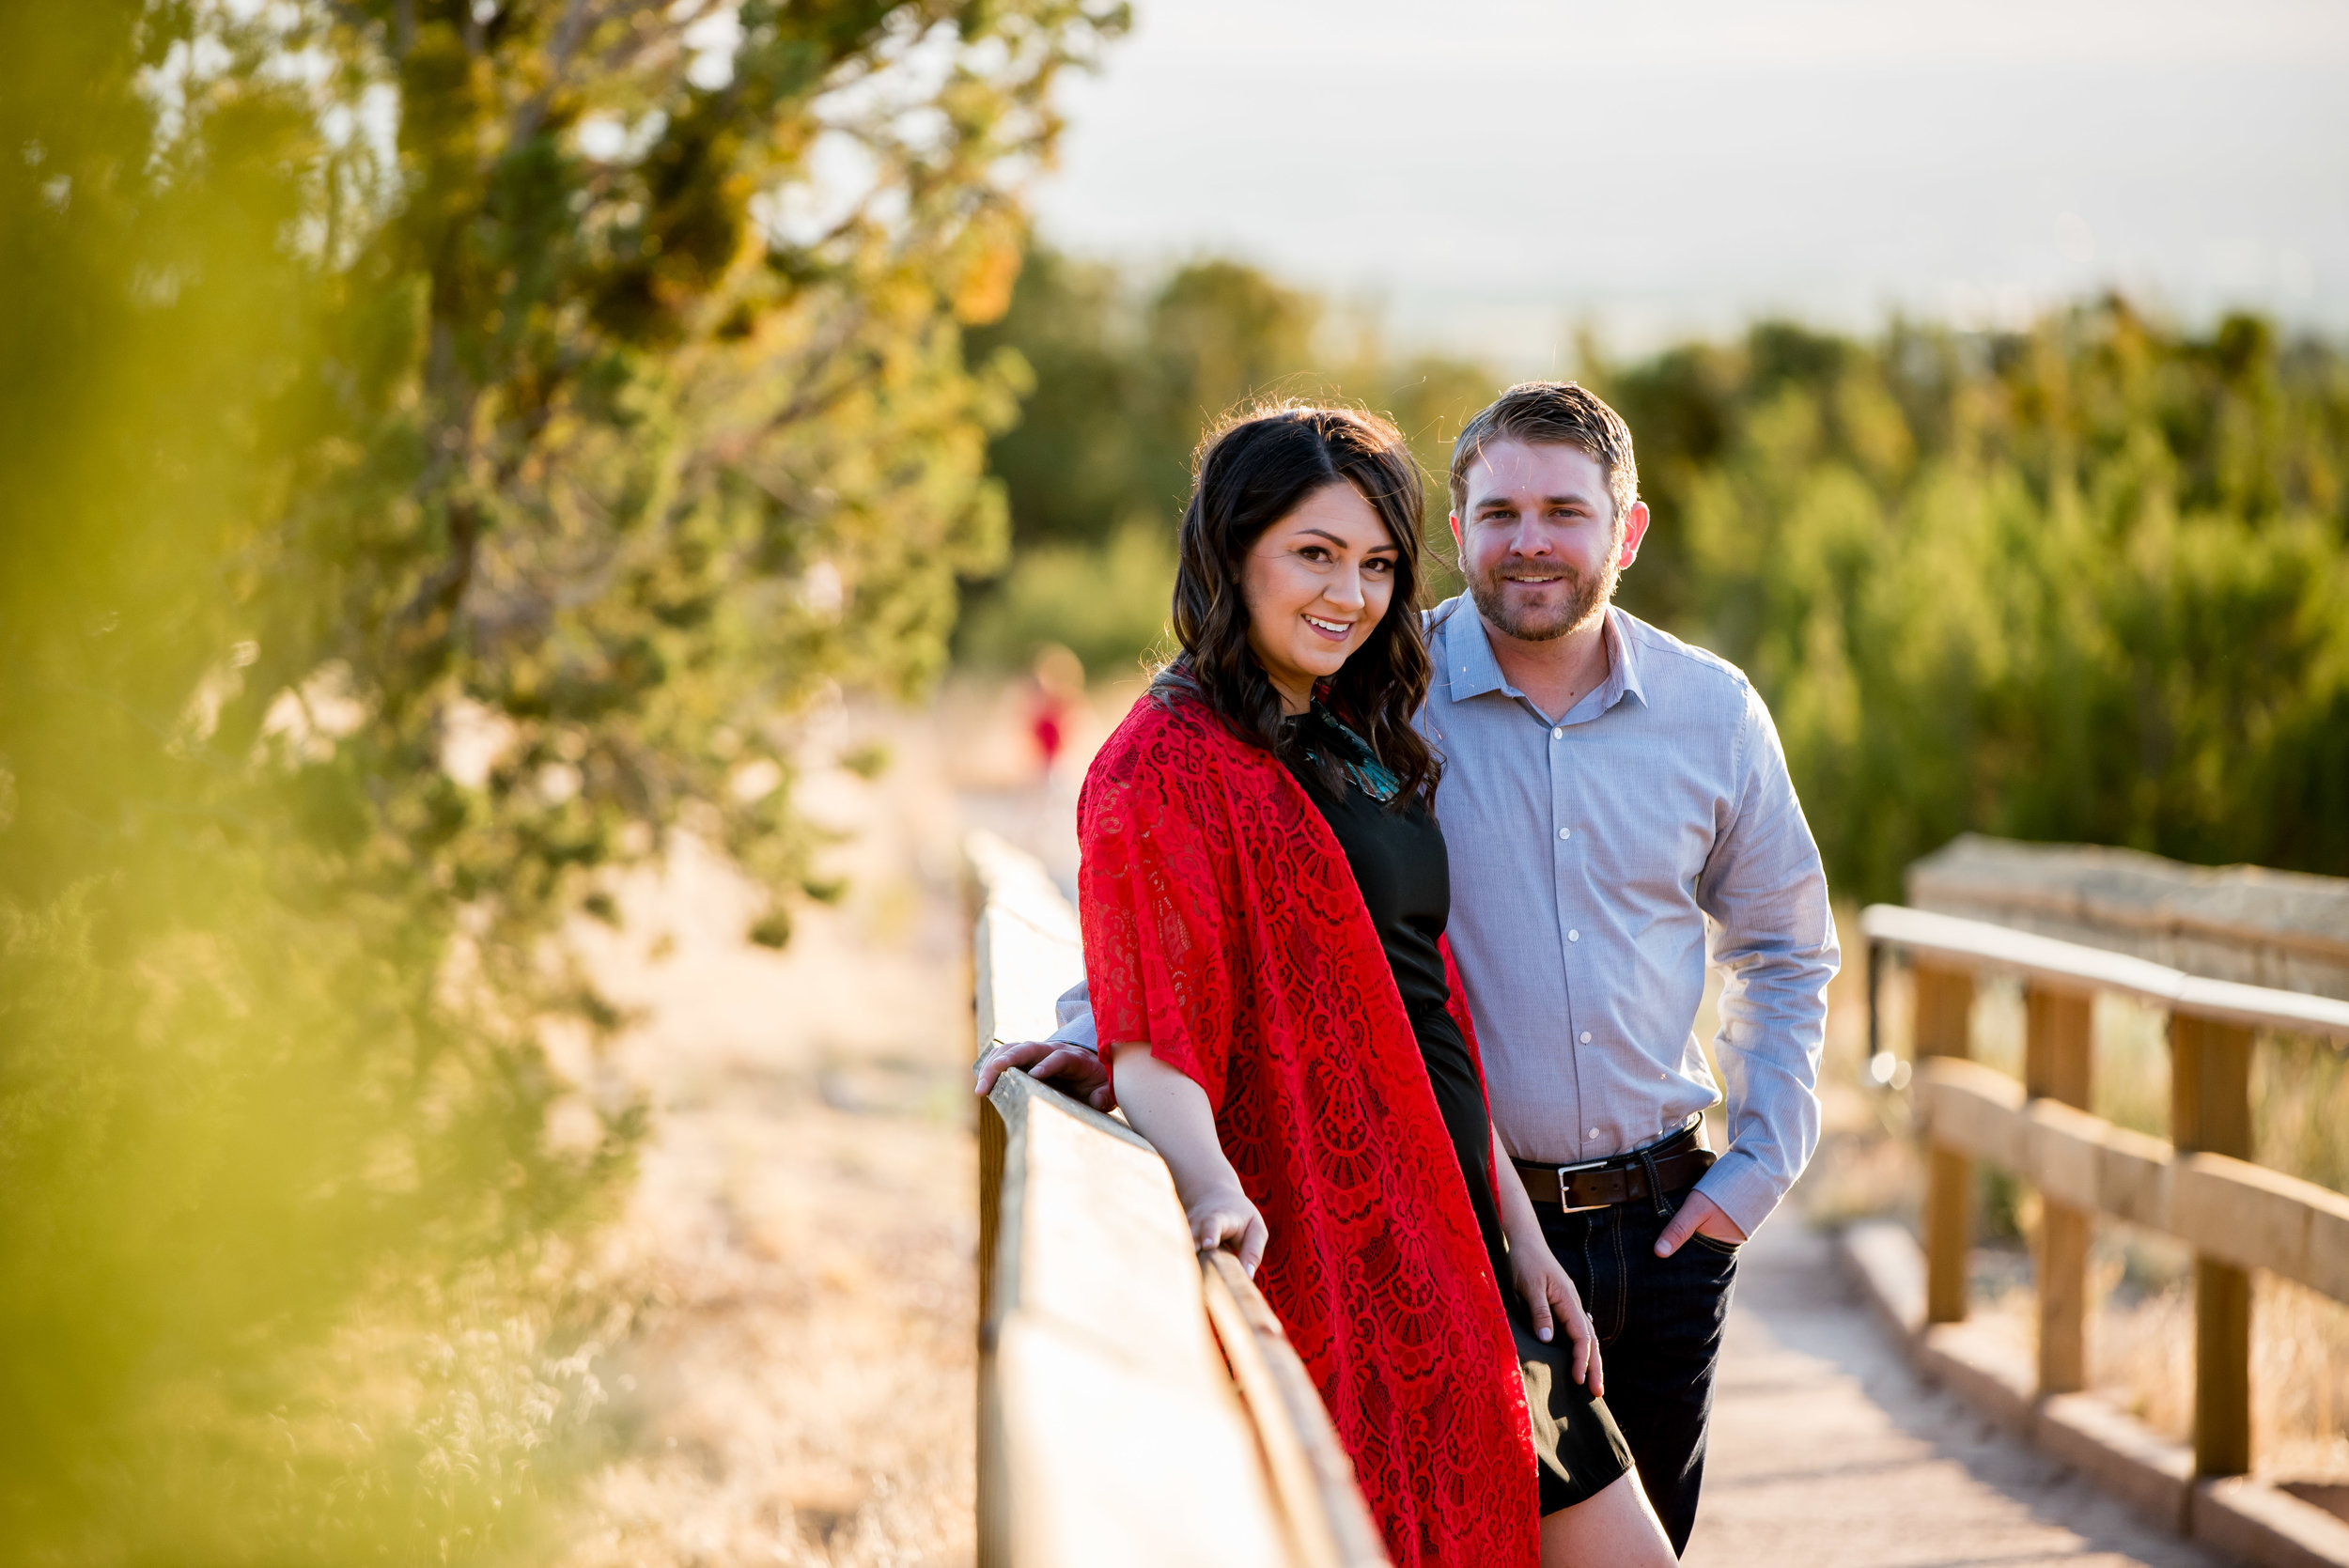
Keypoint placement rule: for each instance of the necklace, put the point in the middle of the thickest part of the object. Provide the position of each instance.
(1353, 755)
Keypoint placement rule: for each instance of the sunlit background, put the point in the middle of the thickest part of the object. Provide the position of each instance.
(530, 528)
(1493, 175)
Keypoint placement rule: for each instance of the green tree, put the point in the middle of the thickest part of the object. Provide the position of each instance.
(2087, 582)
(1129, 374)
(445, 443)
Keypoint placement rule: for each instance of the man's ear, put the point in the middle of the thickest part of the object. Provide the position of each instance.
(1633, 530)
(1458, 544)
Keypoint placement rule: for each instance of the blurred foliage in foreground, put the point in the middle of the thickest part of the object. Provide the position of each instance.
(2088, 581)
(445, 443)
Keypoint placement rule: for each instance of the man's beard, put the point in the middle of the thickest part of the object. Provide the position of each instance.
(1539, 624)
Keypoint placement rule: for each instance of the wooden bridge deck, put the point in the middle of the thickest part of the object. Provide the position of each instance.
(1828, 1452)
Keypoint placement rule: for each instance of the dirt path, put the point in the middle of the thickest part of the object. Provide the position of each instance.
(1827, 1452)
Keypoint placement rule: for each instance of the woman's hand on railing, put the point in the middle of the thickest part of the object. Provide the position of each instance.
(1167, 1107)
(1230, 1221)
(1073, 1070)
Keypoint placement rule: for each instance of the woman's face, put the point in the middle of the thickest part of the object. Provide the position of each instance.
(1317, 584)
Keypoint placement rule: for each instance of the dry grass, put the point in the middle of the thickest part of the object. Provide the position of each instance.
(799, 1382)
(798, 1385)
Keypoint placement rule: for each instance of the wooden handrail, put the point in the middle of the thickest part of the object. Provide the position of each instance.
(2226, 1209)
(1123, 1377)
(2203, 1188)
(1980, 946)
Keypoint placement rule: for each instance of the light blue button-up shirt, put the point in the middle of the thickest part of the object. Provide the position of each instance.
(1594, 855)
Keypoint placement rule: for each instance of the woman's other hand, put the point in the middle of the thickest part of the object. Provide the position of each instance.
(1542, 1280)
(1227, 1220)
(1550, 1299)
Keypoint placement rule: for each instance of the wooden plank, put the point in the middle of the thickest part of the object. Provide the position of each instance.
(1026, 946)
(2210, 1086)
(1973, 1109)
(1949, 1216)
(1112, 1463)
(1106, 1410)
(1943, 1028)
(2058, 1066)
(2222, 1368)
(1312, 1476)
(2243, 1214)
(2133, 1178)
(2064, 1234)
(1979, 946)
(2239, 1213)
(1093, 1235)
(1944, 1009)
(2286, 930)
(2064, 1153)
(2210, 1081)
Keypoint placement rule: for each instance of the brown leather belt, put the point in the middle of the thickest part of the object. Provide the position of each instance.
(1677, 1162)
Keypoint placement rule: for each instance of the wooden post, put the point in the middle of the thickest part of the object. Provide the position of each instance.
(2210, 1112)
(992, 1139)
(1944, 1013)
(2057, 1064)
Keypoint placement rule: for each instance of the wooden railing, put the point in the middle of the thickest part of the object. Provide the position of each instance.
(2200, 1187)
(1138, 1401)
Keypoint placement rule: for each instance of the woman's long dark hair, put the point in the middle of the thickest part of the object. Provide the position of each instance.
(1253, 470)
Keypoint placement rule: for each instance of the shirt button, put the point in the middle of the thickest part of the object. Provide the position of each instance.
(1586, 1036)
(1565, 832)
(1593, 1132)
(1573, 936)
(1558, 734)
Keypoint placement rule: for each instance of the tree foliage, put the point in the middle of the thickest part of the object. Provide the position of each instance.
(1129, 373)
(2088, 581)
(445, 442)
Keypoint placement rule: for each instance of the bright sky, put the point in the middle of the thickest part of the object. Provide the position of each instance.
(1491, 172)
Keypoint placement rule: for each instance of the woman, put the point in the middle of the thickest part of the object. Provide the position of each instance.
(1263, 893)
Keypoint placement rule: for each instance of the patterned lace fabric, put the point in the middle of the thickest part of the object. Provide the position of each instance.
(1224, 926)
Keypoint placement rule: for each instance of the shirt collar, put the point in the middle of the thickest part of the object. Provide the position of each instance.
(1470, 670)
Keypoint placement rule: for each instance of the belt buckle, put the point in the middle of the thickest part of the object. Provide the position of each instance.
(1566, 1171)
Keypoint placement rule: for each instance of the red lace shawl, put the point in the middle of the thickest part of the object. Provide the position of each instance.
(1222, 925)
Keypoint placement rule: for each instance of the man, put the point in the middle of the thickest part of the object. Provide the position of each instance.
(1609, 792)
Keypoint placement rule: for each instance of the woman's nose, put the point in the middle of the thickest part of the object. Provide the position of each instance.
(1346, 591)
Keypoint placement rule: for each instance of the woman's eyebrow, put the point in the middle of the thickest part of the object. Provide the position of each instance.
(1389, 546)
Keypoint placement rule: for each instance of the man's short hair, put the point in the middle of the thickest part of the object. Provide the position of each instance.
(1560, 414)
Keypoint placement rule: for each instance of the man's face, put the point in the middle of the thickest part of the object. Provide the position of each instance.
(1540, 543)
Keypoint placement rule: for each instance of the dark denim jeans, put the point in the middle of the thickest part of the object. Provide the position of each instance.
(1659, 1324)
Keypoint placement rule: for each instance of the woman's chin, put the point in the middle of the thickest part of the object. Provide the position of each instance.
(1324, 662)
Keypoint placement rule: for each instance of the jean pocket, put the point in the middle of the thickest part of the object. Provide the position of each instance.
(1719, 1249)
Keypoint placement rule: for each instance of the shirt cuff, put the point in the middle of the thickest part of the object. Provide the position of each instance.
(1076, 1028)
(1741, 1189)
